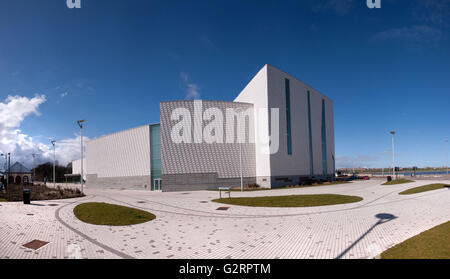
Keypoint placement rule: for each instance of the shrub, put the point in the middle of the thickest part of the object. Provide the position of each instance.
(253, 185)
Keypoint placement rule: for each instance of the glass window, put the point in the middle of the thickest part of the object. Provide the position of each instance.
(155, 153)
(311, 163)
(324, 140)
(288, 117)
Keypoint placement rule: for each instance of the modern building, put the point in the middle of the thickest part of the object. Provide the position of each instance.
(278, 131)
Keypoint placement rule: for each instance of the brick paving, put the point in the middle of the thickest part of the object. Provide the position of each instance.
(188, 225)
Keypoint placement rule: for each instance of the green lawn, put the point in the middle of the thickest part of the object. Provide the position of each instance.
(3, 200)
(291, 201)
(425, 188)
(286, 187)
(431, 244)
(397, 181)
(111, 214)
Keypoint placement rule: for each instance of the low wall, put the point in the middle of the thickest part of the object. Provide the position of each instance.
(200, 181)
(124, 182)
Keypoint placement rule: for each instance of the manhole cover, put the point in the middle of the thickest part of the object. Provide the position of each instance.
(222, 208)
(30, 214)
(203, 201)
(53, 204)
(141, 202)
(184, 193)
(35, 244)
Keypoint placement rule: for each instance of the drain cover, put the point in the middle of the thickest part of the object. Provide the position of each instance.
(53, 204)
(203, 201)
(30, 214)
(141, 202)
(222, 208)
(35, 244)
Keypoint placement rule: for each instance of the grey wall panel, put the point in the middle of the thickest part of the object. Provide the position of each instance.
(200, 181)
(298, 164)
(191, 158)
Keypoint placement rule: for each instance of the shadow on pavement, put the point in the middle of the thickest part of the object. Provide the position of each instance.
(383, 218)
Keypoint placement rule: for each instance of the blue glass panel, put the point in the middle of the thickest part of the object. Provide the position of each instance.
(155, 153)
(310, 136)
(288, 117)
(324, 140)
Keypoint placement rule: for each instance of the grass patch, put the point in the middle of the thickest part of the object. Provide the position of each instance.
(3, 200)
(425, 188)
(397, 181)
(313, 185)
(111, 214)
(431, 244)
(291, 201)
(246, 189)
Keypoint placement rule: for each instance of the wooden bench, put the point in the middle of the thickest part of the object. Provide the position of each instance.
(225, 189)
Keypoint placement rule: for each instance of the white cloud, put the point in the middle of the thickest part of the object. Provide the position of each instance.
(192, 89)
(13, 111)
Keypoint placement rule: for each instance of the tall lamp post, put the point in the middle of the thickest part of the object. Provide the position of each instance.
(80, 123)
(446, 149)
(9, 169)
(239, 111)
(4, 164)
(54, 162)
(34, 168)
(393, 159)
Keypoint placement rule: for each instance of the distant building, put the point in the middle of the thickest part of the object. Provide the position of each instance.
(297, 119)
(19, 174)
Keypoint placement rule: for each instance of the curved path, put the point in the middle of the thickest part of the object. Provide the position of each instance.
(189, 226)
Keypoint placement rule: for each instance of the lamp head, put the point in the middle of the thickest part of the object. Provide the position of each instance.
(392, 132)
(80, 123)
(53, 142)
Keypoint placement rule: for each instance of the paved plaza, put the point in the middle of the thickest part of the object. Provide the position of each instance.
(188, 225)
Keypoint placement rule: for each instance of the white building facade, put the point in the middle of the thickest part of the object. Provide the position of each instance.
(278, 131)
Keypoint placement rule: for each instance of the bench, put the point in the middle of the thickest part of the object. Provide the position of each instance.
(225, 189)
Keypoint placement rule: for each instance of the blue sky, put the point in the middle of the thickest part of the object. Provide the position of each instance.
(111, 62)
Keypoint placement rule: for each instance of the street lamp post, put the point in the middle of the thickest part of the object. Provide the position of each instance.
(9, 169)
(446, 149)
(393, 158)
(4, 164)
(34, 168)
(54, 162)
(239, 130)
(80, 123)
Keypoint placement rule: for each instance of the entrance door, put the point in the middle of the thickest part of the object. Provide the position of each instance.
(157, 184)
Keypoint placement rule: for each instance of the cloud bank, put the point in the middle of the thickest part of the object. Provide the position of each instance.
(13, 112)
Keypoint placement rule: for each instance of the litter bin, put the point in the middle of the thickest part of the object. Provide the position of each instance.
(389, 178)
(26, 196)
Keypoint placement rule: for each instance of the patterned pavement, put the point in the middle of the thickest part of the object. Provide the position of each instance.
(189, 226)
